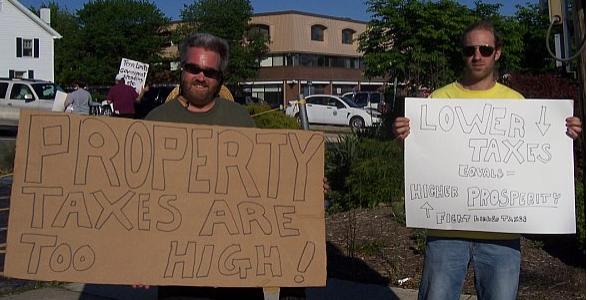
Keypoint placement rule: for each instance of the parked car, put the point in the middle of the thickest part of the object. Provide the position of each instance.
(152, 98)
(333, 110)
(365, 98)
(16, 94)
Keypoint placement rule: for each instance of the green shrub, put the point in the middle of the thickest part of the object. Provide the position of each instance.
(364, 172)
(266, 117)
(581, 214)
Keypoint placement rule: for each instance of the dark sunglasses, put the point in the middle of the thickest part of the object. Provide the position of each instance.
(484, 50)
(196, 69)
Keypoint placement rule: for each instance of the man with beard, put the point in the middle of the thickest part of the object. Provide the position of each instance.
(495, 256)
(203, 58)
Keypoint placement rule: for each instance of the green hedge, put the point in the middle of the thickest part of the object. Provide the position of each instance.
(266, 117)
(364, 172)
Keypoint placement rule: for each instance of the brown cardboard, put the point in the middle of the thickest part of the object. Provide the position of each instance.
(120, 201)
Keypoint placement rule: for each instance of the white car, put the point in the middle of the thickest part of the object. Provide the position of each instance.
(17, 94)
(333, 110)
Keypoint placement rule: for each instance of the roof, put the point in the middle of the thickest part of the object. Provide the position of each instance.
(36, 19)
(295, 12)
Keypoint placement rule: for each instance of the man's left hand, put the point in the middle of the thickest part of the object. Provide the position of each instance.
(574, 127)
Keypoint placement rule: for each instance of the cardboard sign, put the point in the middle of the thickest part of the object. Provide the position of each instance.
(489, 165)
(135, 73)
(120, 201)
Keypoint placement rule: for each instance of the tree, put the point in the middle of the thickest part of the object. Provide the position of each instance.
(228, 19)
(535, 21)
(414, 40)
(66, 48)
(115, 29)
(419, 41)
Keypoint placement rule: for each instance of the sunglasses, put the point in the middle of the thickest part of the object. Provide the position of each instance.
(484, 50)
(196, 69)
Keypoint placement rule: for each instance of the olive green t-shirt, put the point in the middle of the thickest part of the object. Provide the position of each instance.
(456, 91)
(223, 113)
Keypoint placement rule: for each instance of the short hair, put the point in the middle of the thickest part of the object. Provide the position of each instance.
(209, 42)
(78, 82)
(487, 26)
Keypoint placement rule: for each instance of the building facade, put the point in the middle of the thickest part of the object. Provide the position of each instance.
(309, 54)
(26, 42)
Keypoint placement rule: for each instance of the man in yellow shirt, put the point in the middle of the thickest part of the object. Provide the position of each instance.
(495, 256)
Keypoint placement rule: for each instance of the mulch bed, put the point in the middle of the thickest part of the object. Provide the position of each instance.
(368, 245)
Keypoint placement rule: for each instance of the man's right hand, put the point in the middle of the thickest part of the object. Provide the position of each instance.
(401, 127)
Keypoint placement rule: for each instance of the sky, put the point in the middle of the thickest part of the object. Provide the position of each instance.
(354, 9)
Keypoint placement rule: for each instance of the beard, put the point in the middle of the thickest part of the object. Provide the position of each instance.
(199, 93)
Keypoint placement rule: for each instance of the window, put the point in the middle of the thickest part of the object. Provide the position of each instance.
(46, 91)
(256, 30)
(266, 62)
(21, 92)
(27, 47)
(335, 102)
(3, 89)
(317, 32)
(277, 61)
(375, 98)
(317, 100)
(347, 36)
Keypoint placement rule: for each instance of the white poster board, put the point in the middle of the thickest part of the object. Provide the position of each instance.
(489, 165)
(135, 73)
(59, 102)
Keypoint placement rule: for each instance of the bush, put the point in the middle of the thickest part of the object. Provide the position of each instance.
(581, 214)
(266, 117)
(364, 172)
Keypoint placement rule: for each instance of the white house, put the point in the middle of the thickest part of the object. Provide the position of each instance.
(26, 42)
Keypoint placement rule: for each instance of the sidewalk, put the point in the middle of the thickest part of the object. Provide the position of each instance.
(335, 290)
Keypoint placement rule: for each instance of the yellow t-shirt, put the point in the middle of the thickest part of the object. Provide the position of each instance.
(455, 90)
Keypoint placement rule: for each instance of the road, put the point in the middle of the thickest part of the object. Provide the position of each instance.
(332, 133)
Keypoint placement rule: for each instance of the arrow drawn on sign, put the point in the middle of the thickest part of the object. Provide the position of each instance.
(542, 124)
(427, 208)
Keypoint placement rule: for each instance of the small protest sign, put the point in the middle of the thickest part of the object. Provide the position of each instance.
(135, 73)
(59, 104)
(120, 201)
(489, 165)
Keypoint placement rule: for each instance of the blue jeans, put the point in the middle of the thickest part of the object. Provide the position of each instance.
(496, 264)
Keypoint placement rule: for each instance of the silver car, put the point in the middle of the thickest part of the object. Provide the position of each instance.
(17, 94)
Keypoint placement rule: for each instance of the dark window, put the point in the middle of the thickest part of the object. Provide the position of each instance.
(361, 99)
(375, 98)
(317, 32)
(28, 47)
(317, 100)
(3, 89)
(20, 92)
(257, 30)
(46, 91)
(347, 36)
(335, 102)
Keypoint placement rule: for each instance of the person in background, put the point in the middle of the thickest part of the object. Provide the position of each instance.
(123, 97)
(79, 99)
(495, 256)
